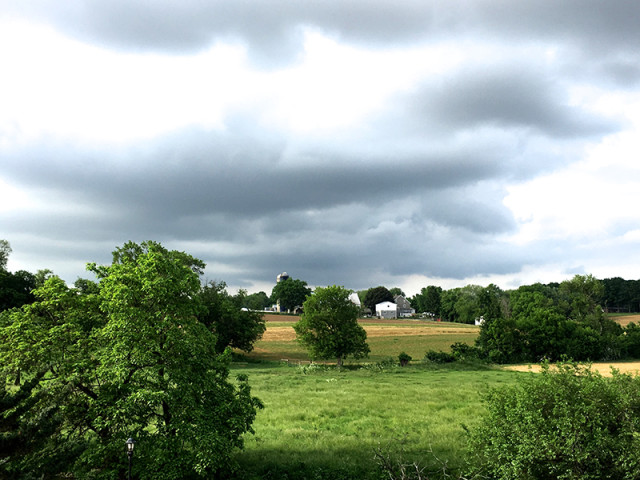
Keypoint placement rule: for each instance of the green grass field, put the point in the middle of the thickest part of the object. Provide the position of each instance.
(323, 423)
(385, 338)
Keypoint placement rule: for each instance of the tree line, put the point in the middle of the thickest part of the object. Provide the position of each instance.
(537, 322)
(615, 295)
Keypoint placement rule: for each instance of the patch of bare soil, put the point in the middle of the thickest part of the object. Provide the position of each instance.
(625, 320)
(279, 334)
(375, 331)
(274, 317)
(604, 368)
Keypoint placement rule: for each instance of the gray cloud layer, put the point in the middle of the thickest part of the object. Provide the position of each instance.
(419, 193)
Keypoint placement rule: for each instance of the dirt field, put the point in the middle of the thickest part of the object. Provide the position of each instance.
(603, 368)
(625, 320)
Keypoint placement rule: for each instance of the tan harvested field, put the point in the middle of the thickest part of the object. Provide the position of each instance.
(287, 333)
(604, 368)
(625, 320)
(373, 326)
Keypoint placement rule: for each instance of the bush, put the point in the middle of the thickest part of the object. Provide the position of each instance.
(404, 359)
(462, 351)
(439, 357)
(565, 423)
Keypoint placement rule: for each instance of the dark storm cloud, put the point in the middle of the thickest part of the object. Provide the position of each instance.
(220, 178)
(508, 97)
(271, 29)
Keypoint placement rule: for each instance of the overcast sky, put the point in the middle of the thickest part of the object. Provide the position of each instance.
(359, 143)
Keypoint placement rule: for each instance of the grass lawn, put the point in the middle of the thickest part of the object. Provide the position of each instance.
(323, 423)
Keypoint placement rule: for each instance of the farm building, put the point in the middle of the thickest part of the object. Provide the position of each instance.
(403, 306)
(386, 310)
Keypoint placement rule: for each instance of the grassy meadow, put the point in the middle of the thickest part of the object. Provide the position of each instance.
(386, 338)
(320, 422)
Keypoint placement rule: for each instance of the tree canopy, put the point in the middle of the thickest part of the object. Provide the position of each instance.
(126, 357)
(564, 423)
(329, 327)
(290, 293)
(548, 322)
(224, 316)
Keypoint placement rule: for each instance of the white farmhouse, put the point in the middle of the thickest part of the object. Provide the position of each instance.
(386, 310)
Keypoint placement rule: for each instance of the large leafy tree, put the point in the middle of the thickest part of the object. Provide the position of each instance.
(223, 314)
(329, 328)
(15, 288)
(290, 293)
(126, 357)
(256, 301)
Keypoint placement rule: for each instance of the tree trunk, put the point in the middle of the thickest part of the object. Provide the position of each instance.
(339, 362)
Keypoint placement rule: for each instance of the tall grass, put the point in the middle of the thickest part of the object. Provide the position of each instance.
(321, 422)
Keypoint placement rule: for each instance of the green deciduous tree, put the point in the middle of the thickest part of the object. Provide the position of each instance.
(290, 293)
(223, 315)
(15, 289)
(128, 359)
(256, 301)
(329, 328)
(395, 291)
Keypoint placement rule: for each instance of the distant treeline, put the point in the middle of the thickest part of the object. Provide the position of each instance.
(615, 295)
(621, 295)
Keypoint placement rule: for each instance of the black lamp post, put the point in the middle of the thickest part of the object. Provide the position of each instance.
(130, 443)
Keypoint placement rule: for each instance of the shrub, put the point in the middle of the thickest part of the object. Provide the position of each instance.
(565, 423)
(404, 359)
(462, 351)
(439, 357)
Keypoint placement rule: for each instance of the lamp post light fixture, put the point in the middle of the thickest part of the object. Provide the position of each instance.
(130, 443)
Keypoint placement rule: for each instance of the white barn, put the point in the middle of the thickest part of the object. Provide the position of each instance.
(386, 310)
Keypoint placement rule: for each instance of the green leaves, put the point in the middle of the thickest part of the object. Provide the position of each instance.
(565, 423)
(329, 325)
(124, 357)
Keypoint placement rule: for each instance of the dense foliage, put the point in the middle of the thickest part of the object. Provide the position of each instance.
(329, 327)
(290, 293)
(546, 322)
(566, 423)
(83, 369)
(621, 295)
(223, 314)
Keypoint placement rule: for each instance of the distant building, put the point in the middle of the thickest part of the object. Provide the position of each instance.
(355, 299)
(386, 310)
(404, 307)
